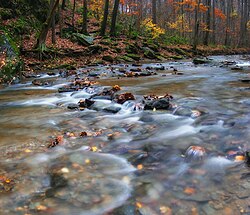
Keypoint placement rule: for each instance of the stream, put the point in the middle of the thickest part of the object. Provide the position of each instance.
(110, 158)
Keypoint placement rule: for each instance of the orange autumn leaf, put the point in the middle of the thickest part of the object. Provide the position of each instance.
(138, 205)
(219, 13)
(140, 167)
(189, 191)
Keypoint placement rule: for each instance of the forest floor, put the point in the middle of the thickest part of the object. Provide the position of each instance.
(68, 54)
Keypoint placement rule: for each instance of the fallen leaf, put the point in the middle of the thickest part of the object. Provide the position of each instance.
(189, 190)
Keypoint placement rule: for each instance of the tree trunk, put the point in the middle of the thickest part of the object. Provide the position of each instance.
(228, 21)
(154, 11)
(114, 16)
(45, 27)
(53, 24)
(196, 25)
(73, 14)
(105, 18)
(208, 21)
(214, 23)
(63, 4)
(85, 17)
(243, 23)
(60, 20)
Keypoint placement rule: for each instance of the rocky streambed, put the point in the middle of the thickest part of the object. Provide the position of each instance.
(165, 138)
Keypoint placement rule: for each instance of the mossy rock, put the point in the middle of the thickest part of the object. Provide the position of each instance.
(132, 49)
(154, 47)
(160, 57)
(108, 58)
(149, 53)
(177, 57)
(134, 56)
(98, 62)
(82, 39)
(124, 59)
(118, 49)
(6, 13)
(180, 51)
(106, 42)
(94, 49)
(65, 66)
(201, 60)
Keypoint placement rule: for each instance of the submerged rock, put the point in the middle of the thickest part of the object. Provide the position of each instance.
(66, 89)
(112, 109)
(237, 68)
(73, 106)
(195, 153)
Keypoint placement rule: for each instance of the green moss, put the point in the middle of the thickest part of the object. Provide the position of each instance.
(124, 59)
(13, 64)
(177, 57)
(134, 56)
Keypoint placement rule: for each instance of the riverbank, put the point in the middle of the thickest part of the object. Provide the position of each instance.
(113, 51)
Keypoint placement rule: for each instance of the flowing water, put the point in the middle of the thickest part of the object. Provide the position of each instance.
(132, 161)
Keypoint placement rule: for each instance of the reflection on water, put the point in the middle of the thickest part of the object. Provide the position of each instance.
(130, 161)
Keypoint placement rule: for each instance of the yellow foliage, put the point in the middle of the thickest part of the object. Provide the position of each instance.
(180, 24)
(234, 14)
(96, 6)
(152, 28)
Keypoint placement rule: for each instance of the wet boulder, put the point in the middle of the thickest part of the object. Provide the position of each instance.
(83, 39)
(237, 68)
(153, 102)
(157, 67)
(67, 89)
(201, 60)
(185, 111)
(73, 106)
(85, 103)
(161, 104)
(120, 99)
(37, 82)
